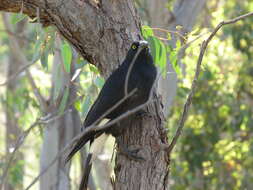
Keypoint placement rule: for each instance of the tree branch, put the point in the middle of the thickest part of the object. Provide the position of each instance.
(197, 71)
(95, 128)
(17, 145)
(18, 53)
(75, 21)
(12, 77)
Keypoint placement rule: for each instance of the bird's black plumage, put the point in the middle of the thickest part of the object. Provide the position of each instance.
(141, 77)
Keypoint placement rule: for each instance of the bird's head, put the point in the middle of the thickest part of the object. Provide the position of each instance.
(140, 51)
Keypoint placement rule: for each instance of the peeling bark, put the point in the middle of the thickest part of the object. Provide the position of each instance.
(90, 28)
(147, 134)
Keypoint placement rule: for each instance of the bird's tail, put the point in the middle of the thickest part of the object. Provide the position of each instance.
(82, 141)
(86, 173)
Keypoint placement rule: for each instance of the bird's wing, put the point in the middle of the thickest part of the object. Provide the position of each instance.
(110, 94)
(84, 139)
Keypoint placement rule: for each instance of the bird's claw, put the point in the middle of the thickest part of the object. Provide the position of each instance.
(132, 154)
(142, 113)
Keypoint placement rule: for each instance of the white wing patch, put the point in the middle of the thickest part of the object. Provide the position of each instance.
(97, 145)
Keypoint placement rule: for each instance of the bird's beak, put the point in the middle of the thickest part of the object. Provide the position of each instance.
(143, 44)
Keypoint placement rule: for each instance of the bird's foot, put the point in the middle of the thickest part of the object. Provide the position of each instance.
(142, 113)
(131, 154)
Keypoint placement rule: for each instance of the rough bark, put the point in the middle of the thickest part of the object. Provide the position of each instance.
(12, 114)
(148, 135)
(102, 32)
(90, 26)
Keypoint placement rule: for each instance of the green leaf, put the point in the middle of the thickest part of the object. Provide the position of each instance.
(163, 58)
(67, 56)
(93, 69)
(85, 106)
(173, 61)
(178, 45)
(168, 36)
(159, 53)
(44, 60)
(37, 47)
(157, 50)
(16, 18)
(63, 101)
(47, 47)
(78, 105)
(80, 63)
(147, 31)
(169, 48)
(99, 82)
(57, 82)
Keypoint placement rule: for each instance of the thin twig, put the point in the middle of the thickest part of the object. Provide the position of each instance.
(90, 129)
(130, 69)
(114, 106)
(12, 77)
(17, 145)
(20, 36)
(83, 133)
(168, 31)
(197, 71)
(22, 137)
(18, 53)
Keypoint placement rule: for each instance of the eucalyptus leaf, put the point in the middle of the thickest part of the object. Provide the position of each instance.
(67, 56)
(85, 106)
(37, 47)
(99, 82)
(64, 101)
(16, 18)
(173, 61)
(163, 59)
(57, 82)
(147, 31)
(44, 59)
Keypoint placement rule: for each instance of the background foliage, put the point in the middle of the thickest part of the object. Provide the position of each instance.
(216, 148)
(215, 151)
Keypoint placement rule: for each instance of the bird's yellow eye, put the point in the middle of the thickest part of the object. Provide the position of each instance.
(134, 47)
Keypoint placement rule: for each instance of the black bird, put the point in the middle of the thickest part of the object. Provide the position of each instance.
(136, 72)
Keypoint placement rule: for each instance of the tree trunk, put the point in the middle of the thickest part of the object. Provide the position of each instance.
(15, 177)
(60, 131)
(185, 14)
(102, 32)
(147, 134)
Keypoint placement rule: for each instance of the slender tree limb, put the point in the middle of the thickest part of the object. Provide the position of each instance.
(19, 36)
(78, 137)
(22, 137)
(115, 106)
(95, 128)
(197, 72)
(17, 145)
(170, 31)
(43, 120)
(17, 50)
(129, 71)
(22, 69)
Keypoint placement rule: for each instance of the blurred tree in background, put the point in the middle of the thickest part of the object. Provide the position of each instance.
(215, 151)
(216, 148)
